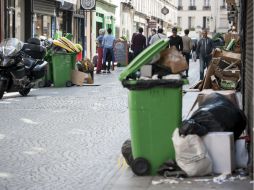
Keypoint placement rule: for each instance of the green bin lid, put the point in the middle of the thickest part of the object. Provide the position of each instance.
(144, 57)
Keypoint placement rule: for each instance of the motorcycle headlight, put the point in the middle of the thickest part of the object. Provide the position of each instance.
(8, 51)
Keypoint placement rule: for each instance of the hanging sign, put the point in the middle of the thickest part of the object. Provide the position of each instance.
(88, 4)
(164, 10)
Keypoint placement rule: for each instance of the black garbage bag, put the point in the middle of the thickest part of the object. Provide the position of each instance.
(217, 114)
(127, 152)
(191, 127)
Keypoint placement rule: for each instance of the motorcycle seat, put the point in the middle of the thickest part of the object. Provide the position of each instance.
(29, 63)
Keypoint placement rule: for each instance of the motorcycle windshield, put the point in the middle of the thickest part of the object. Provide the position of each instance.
(10, 47)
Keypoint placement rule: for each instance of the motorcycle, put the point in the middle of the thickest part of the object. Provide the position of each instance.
(21, 65)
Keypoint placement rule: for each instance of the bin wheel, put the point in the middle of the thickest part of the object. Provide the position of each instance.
(140, 166)
(48, 83)
(68, 84)
(41, 84)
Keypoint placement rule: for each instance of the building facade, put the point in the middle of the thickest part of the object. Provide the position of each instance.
(103, 17)
(197, 14)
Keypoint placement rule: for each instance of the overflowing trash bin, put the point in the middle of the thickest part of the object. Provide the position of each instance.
(62, 65)
(155, 111)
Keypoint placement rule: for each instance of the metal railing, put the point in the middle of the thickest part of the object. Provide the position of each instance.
(192, 8)
(206, 7)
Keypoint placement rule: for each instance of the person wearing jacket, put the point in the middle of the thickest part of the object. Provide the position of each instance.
(157, 36)
(204, 52)
(187, 46)
(108, 43)
(176, 40)
(138, 42)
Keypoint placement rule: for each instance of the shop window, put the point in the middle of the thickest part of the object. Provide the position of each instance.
(9, 21)
(43, 26)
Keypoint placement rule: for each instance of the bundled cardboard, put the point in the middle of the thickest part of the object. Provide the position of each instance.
(173, 60)
(78, 78)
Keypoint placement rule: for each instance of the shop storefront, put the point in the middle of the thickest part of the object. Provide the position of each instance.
(12, 17)
(1, 20)
(246, 29)
(48, 18)
(104, 17)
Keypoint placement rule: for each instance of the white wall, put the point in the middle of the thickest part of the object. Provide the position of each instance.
(218, 22)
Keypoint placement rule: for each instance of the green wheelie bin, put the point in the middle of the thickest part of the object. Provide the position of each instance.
(62, 65)
(155, 111)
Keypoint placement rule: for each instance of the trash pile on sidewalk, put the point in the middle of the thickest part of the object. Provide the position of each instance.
(216, 121)
(159, 144)
(168, 64)
(66, 65)
(224, 71)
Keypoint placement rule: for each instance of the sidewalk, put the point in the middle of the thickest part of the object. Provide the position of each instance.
(125, 179)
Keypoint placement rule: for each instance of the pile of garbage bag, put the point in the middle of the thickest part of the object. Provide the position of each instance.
(215, 114)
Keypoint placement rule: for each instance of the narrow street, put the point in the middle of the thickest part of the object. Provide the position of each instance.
(71, 138)
(63, 138)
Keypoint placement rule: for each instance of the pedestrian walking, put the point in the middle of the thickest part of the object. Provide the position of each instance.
(187, 47)
(158, 36)
(149, 38)
(99, 40)
(176, 40)
(108, 53)
(204, 51)
(138, 42)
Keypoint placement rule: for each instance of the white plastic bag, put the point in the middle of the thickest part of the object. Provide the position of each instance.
(191, 154)
(241, 153)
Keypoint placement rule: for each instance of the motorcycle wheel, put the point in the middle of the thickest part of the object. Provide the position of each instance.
(24, 91)
(1, 90)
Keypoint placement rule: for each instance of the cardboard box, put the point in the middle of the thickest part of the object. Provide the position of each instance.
(230, 56)
(78, 78)
(146, 71)
(222, 156)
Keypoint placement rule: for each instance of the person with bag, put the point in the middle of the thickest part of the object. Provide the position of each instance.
(187, 46)
(205, 50)
(157, 36)
(176, 40)
(150, 37)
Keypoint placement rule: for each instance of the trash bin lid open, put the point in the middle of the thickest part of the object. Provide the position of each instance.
(144, 57)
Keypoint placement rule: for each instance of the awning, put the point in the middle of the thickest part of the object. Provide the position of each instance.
(68, 1)
(68, 5)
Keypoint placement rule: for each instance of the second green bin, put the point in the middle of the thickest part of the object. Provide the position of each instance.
(62, 65)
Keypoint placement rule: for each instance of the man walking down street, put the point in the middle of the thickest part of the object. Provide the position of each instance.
(138, 42)
(176, 40)
(107, 43)
(150, 37)
(204, 51)
(187, 46)
(158, 36)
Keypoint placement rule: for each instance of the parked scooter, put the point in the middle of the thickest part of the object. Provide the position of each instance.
(21, 65)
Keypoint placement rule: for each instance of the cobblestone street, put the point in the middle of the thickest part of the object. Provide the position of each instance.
(63, 138)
